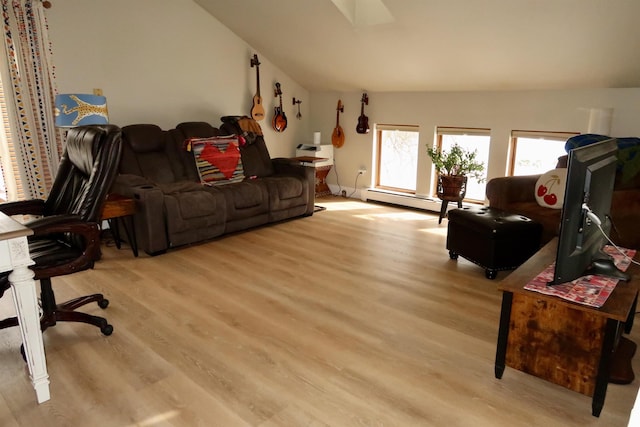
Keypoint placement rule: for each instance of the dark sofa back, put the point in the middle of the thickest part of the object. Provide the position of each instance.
(153, 153)
(256, 160)
(159, 155)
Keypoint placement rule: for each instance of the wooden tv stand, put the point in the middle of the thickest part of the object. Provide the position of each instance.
(572, 345)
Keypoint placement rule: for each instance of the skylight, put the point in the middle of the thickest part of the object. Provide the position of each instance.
(364, 13)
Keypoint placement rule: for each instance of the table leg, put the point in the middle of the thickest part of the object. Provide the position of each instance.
(25, 300)
(503, 333)
(602, 378)
(115, 231)
(129, 228)
(632, 314)
(443, 210)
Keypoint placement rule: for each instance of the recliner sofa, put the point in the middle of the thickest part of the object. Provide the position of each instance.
(174, 208)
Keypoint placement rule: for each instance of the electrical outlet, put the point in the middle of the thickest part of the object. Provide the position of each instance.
(362, 171)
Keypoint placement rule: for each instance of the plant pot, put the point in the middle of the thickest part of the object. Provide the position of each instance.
(451, 187)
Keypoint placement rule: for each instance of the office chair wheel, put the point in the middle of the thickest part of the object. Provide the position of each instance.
(106, 330)
(103, 303)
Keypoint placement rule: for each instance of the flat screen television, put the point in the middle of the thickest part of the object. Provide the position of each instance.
(587, 201)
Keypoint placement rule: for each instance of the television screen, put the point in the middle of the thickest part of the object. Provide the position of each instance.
(587, 203)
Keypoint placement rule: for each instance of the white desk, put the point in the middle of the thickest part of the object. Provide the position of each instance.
(14, 255)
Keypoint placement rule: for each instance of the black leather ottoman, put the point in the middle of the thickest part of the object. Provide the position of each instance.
(492, 238)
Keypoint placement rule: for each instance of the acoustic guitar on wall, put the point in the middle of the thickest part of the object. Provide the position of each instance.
(257, 111)
(363, 121)
(279, 121)
(337, 137)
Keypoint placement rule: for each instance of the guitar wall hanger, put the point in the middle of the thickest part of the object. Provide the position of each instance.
(297, 102)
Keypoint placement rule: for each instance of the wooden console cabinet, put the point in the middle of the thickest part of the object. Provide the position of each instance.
(568, 344)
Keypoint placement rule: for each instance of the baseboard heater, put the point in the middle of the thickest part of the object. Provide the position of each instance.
(408, 200)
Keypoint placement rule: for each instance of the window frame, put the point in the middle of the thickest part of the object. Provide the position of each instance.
(513, 143)
(457, 130)
(378, 147)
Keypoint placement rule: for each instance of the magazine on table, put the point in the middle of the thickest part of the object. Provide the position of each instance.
(588, 290)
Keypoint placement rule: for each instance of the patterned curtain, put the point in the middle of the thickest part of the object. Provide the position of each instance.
(31, 144)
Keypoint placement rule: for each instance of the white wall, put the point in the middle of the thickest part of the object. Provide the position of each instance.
(559, 110)
(164, 62)
(167, 61)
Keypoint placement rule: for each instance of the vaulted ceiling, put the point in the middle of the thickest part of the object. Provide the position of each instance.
(438, 45)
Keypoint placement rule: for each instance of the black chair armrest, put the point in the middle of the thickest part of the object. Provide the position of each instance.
(59, 225)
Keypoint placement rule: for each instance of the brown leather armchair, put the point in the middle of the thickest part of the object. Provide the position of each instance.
(66, 233)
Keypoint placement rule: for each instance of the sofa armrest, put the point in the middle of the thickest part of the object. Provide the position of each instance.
(124, 183)
(286, 166)
(503, 191)
(149, 220)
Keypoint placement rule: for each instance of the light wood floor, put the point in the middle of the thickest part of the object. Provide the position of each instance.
(355, 316)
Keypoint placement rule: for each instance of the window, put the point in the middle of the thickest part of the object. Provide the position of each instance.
(535, 152)
(397, 154)
(470, 139)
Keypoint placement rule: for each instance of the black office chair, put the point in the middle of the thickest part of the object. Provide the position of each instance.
(66, 233)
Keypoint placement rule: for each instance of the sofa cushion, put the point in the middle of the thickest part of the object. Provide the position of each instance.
(247, 195)
(180, 187)
(145, 138)
(193, 216)
(217, 159)
(194, 204)
(245, 199)
(151, 152)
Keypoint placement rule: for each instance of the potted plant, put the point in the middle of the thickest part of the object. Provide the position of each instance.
(453, 168)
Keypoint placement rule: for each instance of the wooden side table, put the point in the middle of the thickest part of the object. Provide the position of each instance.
(116, 208)
(322, 189)
(569, 344)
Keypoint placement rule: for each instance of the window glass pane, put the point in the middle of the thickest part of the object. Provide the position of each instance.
(398, 159)
(480, 143)
(536, 155)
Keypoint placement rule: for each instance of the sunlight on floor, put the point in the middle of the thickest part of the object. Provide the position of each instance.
(156, 419)
(398, 216)
(440, 231)
(345, 205)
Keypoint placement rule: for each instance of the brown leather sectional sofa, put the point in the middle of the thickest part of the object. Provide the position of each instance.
(515, 194)
(175, 209)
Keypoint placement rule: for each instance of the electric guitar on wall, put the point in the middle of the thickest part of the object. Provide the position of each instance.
(337, 137)
(279, 121)
(257, 111)
(363, 121)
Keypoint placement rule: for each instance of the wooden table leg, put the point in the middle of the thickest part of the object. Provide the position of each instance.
(602, 378)
(503, 333)
(443, 210)
(131, 234)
